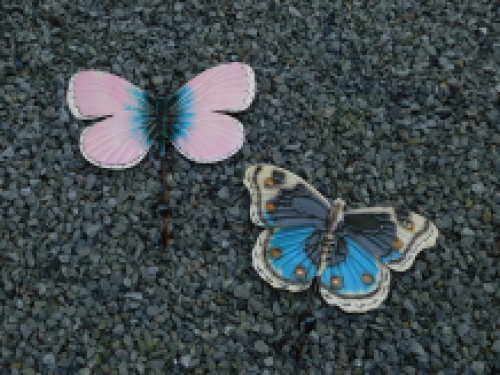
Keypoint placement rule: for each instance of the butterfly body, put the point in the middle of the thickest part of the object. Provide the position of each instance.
(165, 118)
(350, 252)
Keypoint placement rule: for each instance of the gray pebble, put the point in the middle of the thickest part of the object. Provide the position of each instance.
(261, 347)
(223, 193)
(242, 291)
(478, 367)
(496, 346)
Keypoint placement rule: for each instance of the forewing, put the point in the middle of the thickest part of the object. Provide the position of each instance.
(279, 198)
(199, 132)
(93, 94)
(123, 138)
(223, 88)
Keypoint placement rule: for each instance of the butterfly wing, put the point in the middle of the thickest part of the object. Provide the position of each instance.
(123, 138)
(296, 201)
(354, 278)
(288, 253)
(200, 132)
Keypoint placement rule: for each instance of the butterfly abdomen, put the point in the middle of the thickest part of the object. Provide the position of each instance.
(174, 115)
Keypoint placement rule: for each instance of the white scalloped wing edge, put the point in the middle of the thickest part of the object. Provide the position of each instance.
(70, 97)
(353, 305)
(251, 87)
(291, 180)
(87, 157)
(426, 238)
(263, 270)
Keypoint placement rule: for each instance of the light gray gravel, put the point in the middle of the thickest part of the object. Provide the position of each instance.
(378, 102)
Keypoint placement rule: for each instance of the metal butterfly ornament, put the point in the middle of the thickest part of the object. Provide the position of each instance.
(131, 121)
(309, 241)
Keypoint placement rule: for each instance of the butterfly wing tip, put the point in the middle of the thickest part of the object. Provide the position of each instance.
(251, 86)
(70, 98)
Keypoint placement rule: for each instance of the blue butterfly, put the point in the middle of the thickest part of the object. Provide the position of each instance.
(350, 252)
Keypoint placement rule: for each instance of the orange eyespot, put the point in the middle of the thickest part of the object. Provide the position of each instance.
(336, 282)
(397, 243)
(367, 278)
(275, 253)
(300, 272)
(269, 182)
(269, 207)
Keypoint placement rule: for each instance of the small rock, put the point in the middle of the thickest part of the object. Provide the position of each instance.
(496, 347)
(261, 347)
(49, 359)
(463, 329)
(157, 80)
(276, 308)
(418, 349)
(467, 232)
(390, 185)
(186, 360)
(91, 230)
(478, 188)
(242, 291)
(477, 367)
(137, 296)
(223, 193)
(489, 288)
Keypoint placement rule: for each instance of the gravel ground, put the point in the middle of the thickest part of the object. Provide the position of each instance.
(378, 102)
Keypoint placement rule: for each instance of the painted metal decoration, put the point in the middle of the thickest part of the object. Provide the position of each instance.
(309, 241)
(131, 121)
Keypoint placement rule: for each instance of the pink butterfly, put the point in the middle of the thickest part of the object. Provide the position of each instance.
(190, 119)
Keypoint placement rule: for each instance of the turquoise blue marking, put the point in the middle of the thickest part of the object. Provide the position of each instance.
(182, 105)
(291, 242)
(362, 257)
(358, 261)
(268, 219)
(394, 255)
(142, 122)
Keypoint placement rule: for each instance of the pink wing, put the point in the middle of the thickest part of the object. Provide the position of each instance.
(121, 140)
(201, 134)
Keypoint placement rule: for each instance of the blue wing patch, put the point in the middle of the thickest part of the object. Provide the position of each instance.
(355, 280)
(288, 258)
(348, 275)
(291, 244)
(288, 253)
(392, 256)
